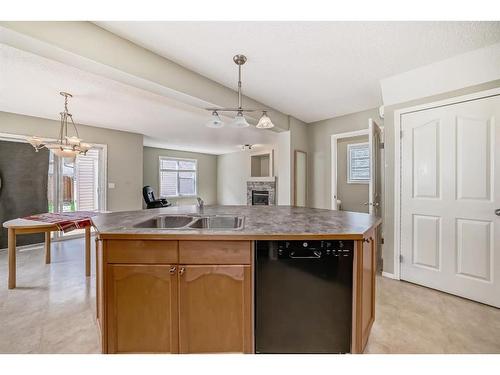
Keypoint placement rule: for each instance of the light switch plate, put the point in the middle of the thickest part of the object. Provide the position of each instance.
(111, 185)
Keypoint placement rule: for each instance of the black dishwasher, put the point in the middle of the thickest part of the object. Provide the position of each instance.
(303, 296)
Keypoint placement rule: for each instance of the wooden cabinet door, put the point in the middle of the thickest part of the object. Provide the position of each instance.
(99, 286)
(215, 307)
(368, 289)
(142, 309)
(364, 292)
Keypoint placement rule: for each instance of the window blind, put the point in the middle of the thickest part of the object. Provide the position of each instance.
(177, 177)
(86, 181)
(358, 163)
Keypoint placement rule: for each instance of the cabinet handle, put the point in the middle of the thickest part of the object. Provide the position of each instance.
(181, 271)
(172, 270)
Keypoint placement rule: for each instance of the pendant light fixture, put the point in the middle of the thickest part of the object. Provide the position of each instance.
(66, 146)
(215, 121)
(264, 121)
(239, 120)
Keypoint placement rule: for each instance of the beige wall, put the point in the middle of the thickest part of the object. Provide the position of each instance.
(319, 135)
(206, 179)
(352, 195)
(124, 165)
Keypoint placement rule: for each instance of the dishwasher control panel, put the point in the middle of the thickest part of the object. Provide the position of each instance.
(314, 249)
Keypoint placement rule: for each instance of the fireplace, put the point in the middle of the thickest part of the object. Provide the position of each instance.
(260, 198)
(261, 192)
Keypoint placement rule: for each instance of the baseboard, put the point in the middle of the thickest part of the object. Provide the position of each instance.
(26, 247)
(54, 240)
(388, 275)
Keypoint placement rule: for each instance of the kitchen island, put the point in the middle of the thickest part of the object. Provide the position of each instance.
(186, 284)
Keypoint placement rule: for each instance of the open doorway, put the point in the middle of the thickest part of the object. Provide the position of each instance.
(356, 170)
(353, 173)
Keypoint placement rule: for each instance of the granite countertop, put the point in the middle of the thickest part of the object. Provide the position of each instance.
(261, 222)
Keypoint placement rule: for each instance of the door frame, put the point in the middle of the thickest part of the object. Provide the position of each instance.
(295, 177)
(398, 163)
(334, 156)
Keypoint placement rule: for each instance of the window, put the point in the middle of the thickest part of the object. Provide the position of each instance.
(177, 177)
(358, 163)
(77, 185)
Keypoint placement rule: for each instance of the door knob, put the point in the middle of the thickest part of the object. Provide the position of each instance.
(172, 270)
(181, 271)
(497, 212)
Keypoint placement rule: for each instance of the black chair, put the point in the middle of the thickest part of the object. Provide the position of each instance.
(149, 197)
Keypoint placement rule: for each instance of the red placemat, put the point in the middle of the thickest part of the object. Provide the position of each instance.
(65, 221)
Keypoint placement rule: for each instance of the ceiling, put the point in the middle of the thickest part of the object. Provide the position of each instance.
(310, 70)
(30, 85)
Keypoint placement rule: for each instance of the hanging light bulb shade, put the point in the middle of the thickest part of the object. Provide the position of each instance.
(239, 121)
(264, 122)
(66, 146)
(215, 121)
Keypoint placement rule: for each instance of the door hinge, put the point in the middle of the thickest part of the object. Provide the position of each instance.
(382, 241)
(382, 146)
(401, 134)
(400, 258)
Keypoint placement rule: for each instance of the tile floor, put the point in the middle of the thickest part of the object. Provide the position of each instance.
(53, 311)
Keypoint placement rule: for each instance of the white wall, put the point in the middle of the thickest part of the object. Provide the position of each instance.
(91, 48)
(464, 70)
(233, 172)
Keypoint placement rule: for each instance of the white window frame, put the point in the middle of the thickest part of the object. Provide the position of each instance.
(178, 170)
(349, 179)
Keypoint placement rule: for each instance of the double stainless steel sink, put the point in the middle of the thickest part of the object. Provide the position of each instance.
(221, 222)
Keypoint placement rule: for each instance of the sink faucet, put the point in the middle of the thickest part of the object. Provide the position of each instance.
(200, 203)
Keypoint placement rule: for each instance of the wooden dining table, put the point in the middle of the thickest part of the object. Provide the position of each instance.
(29, 226)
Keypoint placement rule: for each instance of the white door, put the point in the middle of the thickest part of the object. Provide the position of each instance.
(450, 235)
(375, 187)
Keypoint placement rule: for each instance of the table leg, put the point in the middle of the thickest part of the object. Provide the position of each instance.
(87, 251)
(12, 257)
(47, 247)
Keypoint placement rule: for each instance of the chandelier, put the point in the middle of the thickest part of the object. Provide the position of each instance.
(239, 120)
(65, 146)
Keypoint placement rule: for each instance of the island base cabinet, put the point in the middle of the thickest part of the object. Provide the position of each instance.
(215, 309)
(365, 263)
(142, 309)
